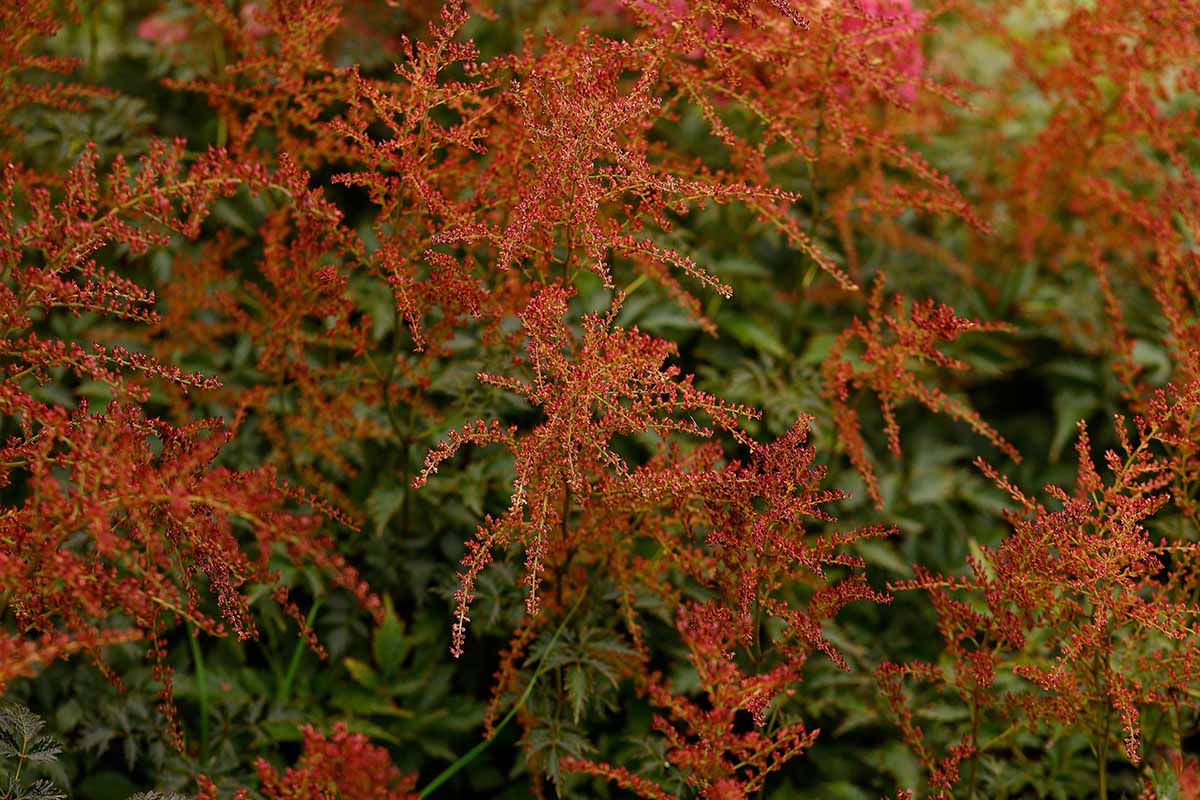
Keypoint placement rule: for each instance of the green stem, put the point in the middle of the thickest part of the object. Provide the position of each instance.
(201, 691)
(452, 770)
(634, 284)
(995, 740)
(285, 688)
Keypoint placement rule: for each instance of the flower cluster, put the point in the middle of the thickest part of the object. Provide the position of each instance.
(340, 765)
(123, 516)
(533, 284)
(1078, 618)
(893, 346)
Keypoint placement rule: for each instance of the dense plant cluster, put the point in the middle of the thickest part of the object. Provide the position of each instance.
(603, 399)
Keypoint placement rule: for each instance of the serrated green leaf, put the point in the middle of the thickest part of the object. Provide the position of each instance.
(282, 731)
(361, 672)
(855, 718)
(751, 333)
(357, 701)
(95, 390)
(818, 348)
(931, 485)
(68, 715)
(40, 790)
(390, 643)
(372, 730)
(43, 750)
(942, 712)
(577, 690)
(1070, 406)
(384, 502)
(883, 554)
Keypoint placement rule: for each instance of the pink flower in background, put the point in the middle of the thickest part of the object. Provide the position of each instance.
(664, 13)
(254, 20)
(163, 30)
(890, 29)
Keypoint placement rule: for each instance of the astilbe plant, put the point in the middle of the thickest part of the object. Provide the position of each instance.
(884, 353)
(25, 23)
(122, 516)
(551, 145)
(490, 195)
(494, 177)
(1084, 619)
(340, 765)
(682, 519)
(1092, 121)
(612, 383)
(1077, 619)
(544, 168)
(748, 643)
(310, 341)
(1168, 224)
